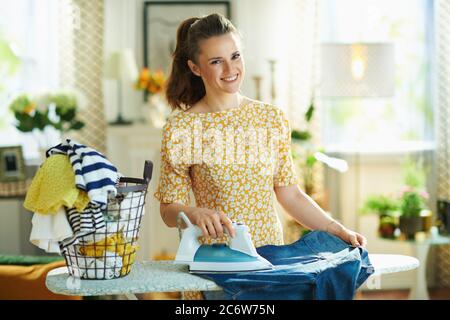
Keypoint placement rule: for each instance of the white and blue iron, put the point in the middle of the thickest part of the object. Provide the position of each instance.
(239, 255)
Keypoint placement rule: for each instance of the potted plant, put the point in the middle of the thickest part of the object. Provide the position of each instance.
(415, 215)
(387, 209)
(413, 212)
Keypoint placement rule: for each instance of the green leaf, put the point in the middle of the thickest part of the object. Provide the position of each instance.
(41, 120)
(76, 125)
(8, 60)
(26, 123)
(65, 114)
(380, 204)
(300, 135)
(310, 160)
(310, 112)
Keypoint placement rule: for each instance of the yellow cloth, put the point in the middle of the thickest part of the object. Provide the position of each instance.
(114, 243)
(243, 189)
(53, 186)
(28, 282)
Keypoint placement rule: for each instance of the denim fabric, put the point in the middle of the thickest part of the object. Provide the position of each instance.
(317, 266)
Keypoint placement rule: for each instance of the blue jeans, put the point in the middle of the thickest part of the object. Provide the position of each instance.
(317, 266)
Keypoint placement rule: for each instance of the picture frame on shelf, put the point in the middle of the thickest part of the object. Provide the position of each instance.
(161, 20)
(12, 164)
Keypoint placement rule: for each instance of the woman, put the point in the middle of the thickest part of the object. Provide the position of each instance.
(207, 72)
(236, 184)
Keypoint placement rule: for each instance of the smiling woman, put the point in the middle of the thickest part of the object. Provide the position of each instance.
(204, 87)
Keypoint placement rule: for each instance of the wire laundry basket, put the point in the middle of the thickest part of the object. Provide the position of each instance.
(109, 252)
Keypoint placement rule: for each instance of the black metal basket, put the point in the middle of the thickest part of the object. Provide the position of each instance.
(110, 252)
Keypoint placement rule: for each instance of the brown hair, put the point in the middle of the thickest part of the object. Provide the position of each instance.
(183, 87)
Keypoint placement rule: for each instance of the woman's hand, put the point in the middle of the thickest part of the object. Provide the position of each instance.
(349, 236)
(211, 222)
(354, 238)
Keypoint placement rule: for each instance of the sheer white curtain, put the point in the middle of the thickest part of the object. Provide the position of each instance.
(30, 27)
(406, 118)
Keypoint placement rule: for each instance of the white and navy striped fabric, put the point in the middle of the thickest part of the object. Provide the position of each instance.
(84, 223)
(93, 171)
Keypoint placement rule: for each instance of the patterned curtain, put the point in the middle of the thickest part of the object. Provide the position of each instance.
(81, 61)
(304, 64)
(442, 14)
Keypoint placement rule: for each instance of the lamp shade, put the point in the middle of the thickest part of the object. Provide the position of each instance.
(121, 65)
(357, 70)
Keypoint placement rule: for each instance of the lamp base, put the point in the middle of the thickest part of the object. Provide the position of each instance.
(120, 121)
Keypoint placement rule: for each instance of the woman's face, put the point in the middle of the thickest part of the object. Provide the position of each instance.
(220, 64)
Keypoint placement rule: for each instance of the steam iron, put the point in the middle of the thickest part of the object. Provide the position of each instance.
(238, 256)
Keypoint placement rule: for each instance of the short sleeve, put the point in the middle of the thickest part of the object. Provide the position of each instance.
(284, 174)
(175, 181)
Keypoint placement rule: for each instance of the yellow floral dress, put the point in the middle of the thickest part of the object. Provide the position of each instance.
(237, 178)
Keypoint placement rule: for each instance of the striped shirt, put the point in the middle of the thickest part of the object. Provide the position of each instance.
(93, 171)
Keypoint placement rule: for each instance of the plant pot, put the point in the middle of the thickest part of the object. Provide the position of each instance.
(409, 226)
(387, 226)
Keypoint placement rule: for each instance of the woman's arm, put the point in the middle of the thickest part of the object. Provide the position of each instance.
(308, 213)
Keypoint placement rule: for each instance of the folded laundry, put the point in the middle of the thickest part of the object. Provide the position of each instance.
(107, 267)
(48, 230)
(93, 171)
(53, 187)
(114, 244)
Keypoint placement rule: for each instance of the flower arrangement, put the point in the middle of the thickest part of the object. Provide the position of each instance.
(151, 82)
(57, 110)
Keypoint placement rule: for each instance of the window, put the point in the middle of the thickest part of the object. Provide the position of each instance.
(406, 118)
(29, 29)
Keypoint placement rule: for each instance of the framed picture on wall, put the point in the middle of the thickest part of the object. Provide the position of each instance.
(12, 166)
(161, 20)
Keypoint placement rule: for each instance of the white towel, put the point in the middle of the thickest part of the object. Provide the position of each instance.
(108, 267)
(48, 230)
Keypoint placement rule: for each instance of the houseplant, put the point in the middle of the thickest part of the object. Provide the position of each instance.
(38, 113)
(415, 215)
(387, 209)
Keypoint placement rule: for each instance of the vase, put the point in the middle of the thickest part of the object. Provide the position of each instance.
(155, 111)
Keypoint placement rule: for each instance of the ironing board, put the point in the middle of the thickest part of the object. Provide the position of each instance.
(164, 276)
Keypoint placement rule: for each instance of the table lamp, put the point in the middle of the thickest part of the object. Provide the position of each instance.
(357, 70)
